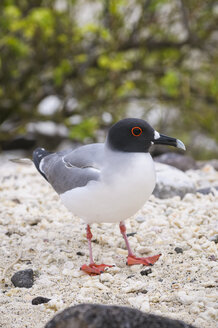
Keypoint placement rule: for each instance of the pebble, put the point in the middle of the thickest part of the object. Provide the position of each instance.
(185, 298)
(40, 300)
(144, 250)
(145, 272)
(178, 250)
(135, 286)
(140, 302)
(95, 284)
(114, 270)
(80, 253)
(105, 277)
(55, 304)
(23, 278)
(140, 219)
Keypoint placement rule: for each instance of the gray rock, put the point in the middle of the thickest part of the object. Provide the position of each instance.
(103, 316)
(181, 162)
(172, 182)
(208, 190)
(23, 278)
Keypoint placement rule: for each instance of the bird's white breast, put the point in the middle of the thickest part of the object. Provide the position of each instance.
(126, 183)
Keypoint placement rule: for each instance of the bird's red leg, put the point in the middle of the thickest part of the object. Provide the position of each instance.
(92, 268)
(132, 259)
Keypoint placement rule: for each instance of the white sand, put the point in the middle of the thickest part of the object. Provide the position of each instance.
(32, 220)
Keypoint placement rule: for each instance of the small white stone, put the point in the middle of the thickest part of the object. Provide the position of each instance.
(184, 298)
(144, 250)
(99, 285)
(69, 265)
(140, 219)
(53, 270)
(140, 302)
(135, 286)
(114, 270)
(54, 304)
(194, 308)
(104, 277)
(122, 251)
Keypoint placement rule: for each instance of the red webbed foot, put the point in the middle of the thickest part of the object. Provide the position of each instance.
(94, 269)
(132, 260)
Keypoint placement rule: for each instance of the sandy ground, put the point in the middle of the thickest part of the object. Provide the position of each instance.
(44, 236)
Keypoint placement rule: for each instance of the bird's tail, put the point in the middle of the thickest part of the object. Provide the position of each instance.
(38, 155)
(22, 161)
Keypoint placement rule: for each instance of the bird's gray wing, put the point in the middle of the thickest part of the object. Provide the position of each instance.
(69, 170)
(86, 156)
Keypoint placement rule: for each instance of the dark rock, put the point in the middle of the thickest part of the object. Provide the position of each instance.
(208, 190)
(181, 162)
(178, 250)
(40, 300)
(131, 234)
(171, 182)
(103, 316)
(145, 272)
(23, 278)
(80, 253)
(9, 233)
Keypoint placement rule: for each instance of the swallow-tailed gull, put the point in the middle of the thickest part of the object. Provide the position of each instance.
(106, 182)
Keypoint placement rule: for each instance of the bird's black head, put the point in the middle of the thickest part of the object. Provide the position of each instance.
(131, 135)
(136, 136)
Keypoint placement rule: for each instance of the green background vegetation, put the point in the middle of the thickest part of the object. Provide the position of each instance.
(148, 52)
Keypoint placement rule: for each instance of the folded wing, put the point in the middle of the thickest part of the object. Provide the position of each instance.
(70, 169)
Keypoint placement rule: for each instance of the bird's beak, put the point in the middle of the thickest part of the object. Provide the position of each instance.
(161, 139)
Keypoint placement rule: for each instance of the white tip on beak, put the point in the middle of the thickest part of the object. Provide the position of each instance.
(156, 135)
(180, 144)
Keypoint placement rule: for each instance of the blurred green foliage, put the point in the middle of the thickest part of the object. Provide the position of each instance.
(143, 50)
(84, 129)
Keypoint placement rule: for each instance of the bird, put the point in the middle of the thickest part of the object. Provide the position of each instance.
(106, 182)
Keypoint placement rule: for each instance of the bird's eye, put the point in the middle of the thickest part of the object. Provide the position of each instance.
(136, 131)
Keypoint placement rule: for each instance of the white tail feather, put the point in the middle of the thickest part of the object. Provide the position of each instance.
(23, 161)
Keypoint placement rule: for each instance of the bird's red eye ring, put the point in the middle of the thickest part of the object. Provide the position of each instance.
(136, 131)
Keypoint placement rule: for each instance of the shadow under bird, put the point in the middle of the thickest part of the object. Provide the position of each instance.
(106, 182)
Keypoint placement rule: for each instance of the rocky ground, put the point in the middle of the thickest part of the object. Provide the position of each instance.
(38, 233)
